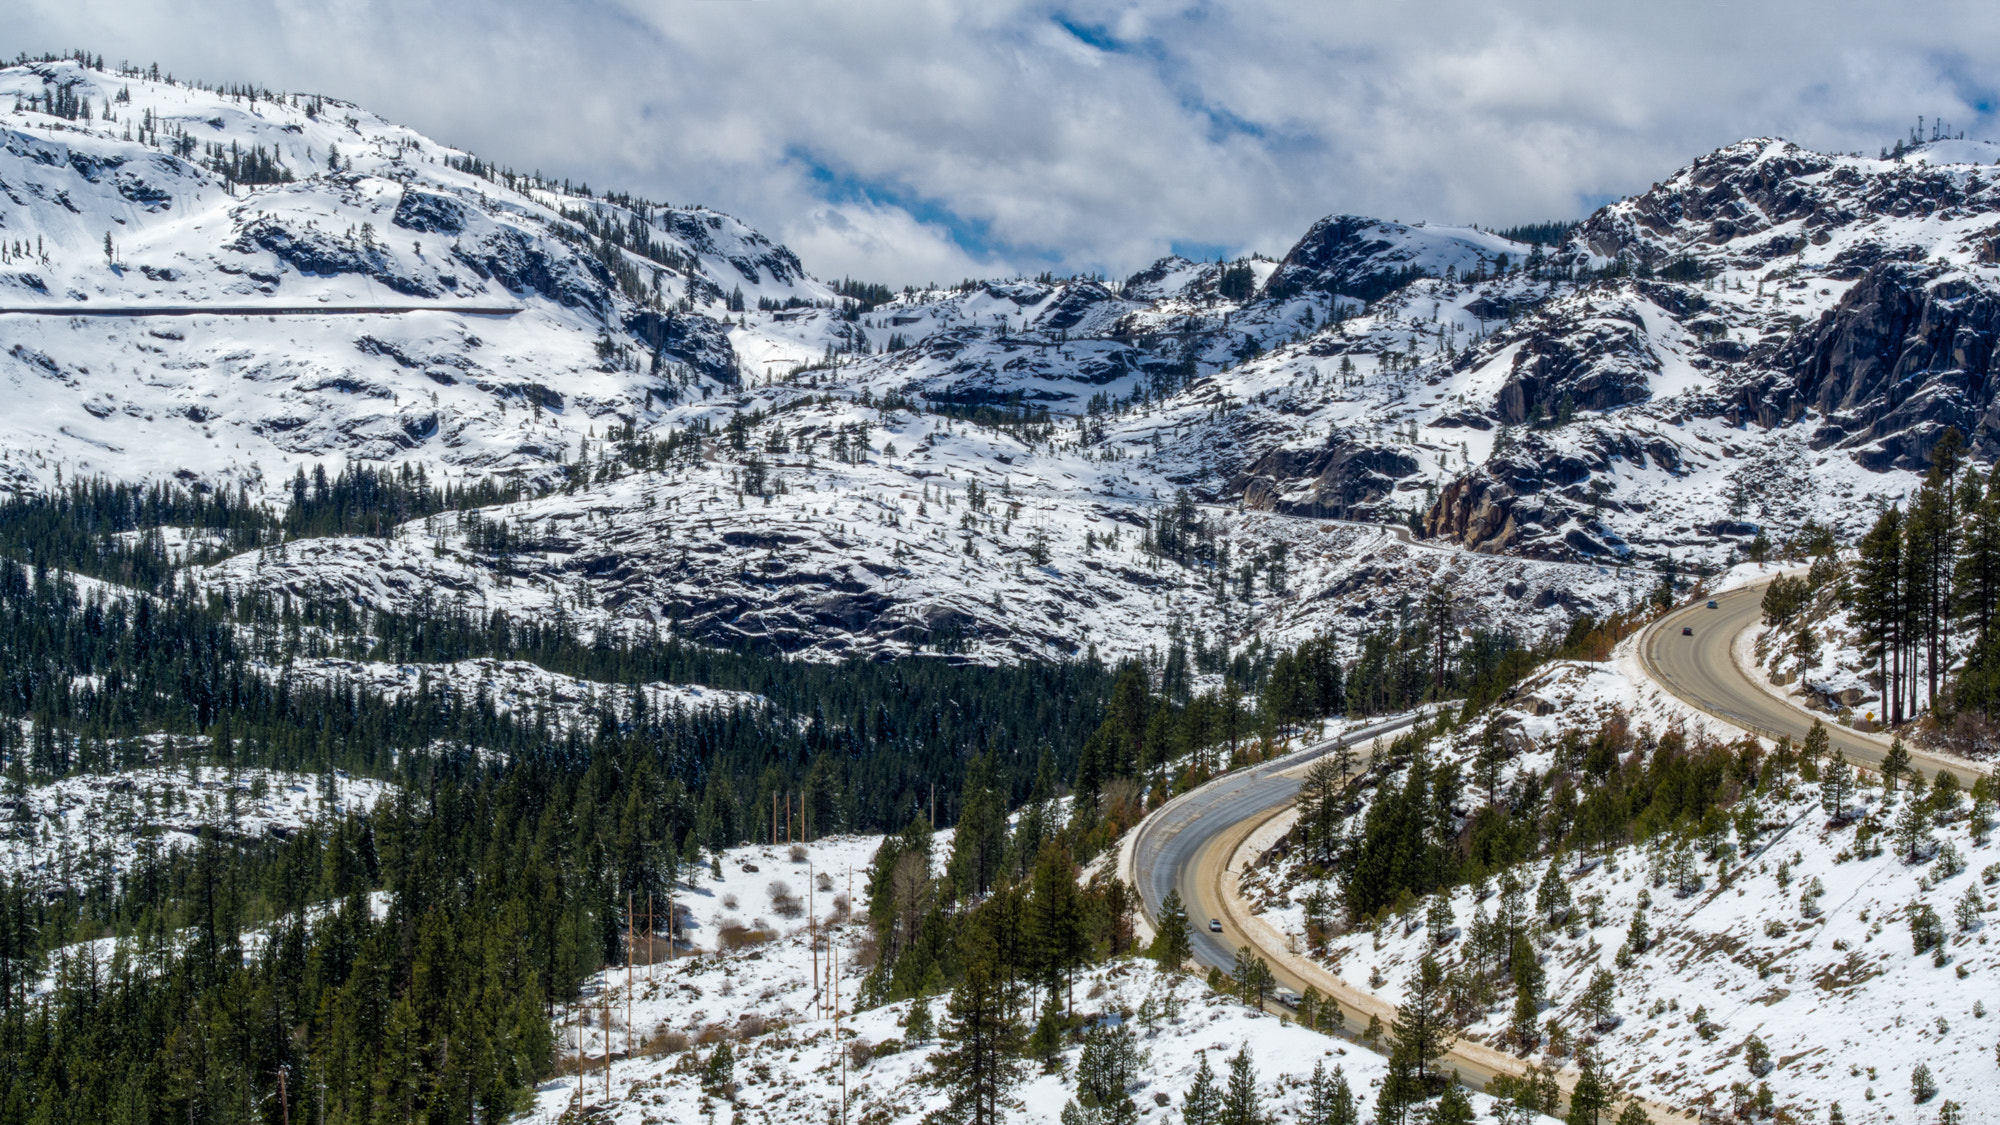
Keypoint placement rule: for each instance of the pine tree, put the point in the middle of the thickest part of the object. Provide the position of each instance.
(1589, 1098)
(1880, 607)
(1046, 1044)
(1203, 1103)
(1639, 935)
(1895, 764)
(1635, 1114)
(1172, 944)
(1598, 998)
(1108, 1068)
(1240, 1104)
(1452, 1108)
(978, 1066)
(1976, 579)
(1552, 899)
(1815, 744)
(980, 840)
(1438, 918)
(1329, 1100)
(1420, 1028)
(1836, 787)
(1057, 937)
(919, 1028)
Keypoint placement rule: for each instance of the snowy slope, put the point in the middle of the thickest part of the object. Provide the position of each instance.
(767, 1000)
(529, 319)
(1796, 938)
(885, 554)
(90, 829)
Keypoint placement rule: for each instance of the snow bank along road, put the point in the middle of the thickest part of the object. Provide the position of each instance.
(1187, 845)
(1702, 671)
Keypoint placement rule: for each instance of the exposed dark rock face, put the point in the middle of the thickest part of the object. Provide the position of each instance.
(1597, 361)
(528, 265)
(429, 213)
(690, 338)
(1900, 358)
(316, 252)
(1343, 481)
(1075, 303)
(1348, 255)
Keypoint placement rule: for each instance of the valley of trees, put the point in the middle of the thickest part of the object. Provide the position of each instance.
(446, 925)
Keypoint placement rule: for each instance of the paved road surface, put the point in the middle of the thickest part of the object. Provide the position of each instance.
(1700, 670)
(1187, 845)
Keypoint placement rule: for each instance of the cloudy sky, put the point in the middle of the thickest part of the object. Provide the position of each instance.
(906, 142)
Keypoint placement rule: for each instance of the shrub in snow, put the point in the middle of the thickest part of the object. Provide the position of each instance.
(1969, 906)
(1922, 1086)
(1949, 862)
(1757, 1056)
(1810, 896)
(1926, 930)
(783, 902)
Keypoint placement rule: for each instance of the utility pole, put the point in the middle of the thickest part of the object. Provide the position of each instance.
(812, 930)
(833, 958)
(628, 973)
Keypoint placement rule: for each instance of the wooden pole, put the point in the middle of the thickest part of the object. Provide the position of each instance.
(628, 973)
(604, 1002)
(651, 933)
(833, 958)
(284, 1101)
(774, 818)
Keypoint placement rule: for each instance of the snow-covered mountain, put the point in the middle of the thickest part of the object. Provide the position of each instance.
(339, 287)
(1768, 335)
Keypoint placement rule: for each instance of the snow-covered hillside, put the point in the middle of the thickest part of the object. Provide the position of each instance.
(1777, 949)
(885, 532)
(769, 995)
(543, 309)
(89, 829)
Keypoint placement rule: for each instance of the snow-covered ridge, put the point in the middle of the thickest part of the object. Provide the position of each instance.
(92, 828)
(513, 687)
(883, 553)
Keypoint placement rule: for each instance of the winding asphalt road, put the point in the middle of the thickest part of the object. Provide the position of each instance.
(1187, 845)
(1701, 671)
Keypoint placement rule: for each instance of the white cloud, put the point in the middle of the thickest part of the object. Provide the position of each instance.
(1034, 146)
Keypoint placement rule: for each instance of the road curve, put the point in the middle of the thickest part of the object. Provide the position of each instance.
(1187, 846)
(1702, 672)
